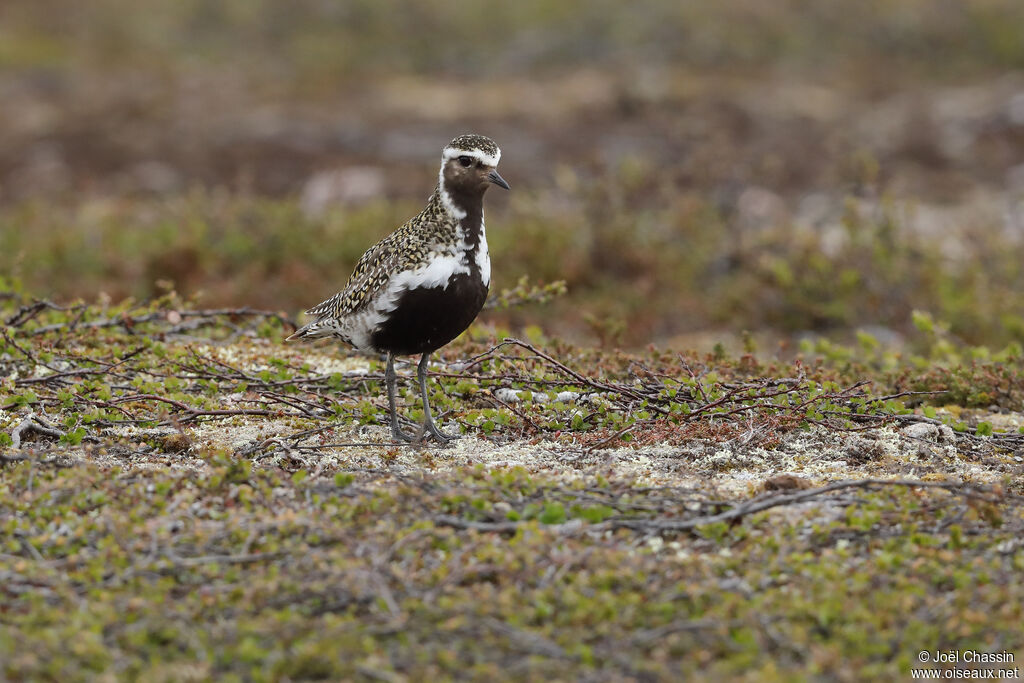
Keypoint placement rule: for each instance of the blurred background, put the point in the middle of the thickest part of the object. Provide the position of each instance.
(692, 170)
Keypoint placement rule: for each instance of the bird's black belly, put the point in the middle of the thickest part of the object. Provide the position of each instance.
(428, 318)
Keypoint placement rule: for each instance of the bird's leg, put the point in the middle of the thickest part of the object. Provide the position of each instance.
(391, 379)
(428, 422)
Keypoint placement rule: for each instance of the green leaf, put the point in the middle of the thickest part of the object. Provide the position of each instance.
(27, 398)
(923, 321)
(554, 513)
(73, 438)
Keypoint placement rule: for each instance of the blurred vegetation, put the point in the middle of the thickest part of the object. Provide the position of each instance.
(653, 265)
(826, 198)
(691, 170)
(317, 42)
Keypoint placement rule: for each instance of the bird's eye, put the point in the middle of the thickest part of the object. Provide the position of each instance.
(466, 161)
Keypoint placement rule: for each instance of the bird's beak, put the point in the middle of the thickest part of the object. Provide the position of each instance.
(497, 180)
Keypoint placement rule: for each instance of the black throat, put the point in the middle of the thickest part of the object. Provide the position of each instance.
(472, 203)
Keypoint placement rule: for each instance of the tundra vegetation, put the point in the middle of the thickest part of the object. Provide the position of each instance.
(747, 401)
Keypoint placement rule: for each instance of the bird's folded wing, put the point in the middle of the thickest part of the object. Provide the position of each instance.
(370, 277)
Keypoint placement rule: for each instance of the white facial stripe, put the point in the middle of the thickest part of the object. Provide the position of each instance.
(446, 199)
(455, 152)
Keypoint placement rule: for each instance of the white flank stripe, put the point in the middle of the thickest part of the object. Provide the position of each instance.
(437, 273)
(442, 267)
(361, 326)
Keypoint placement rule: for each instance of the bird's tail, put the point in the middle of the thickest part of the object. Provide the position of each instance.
(314, 330)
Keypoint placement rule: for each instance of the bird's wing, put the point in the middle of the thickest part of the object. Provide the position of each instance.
(371, 275)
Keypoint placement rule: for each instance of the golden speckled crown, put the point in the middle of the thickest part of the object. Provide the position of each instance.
(474, 145)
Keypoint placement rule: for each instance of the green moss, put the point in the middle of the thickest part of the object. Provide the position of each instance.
(256, 568)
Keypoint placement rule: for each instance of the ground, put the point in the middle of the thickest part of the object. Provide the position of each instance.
(187, 497)
(746, 402)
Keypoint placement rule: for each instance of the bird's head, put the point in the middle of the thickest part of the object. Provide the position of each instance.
(469, 165)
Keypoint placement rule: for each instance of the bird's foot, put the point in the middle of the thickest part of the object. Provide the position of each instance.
(430, 428)
(398, 435)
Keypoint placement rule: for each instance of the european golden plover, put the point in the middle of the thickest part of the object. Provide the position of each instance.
(422, 285)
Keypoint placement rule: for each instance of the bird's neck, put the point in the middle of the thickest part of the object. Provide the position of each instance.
(466, 209)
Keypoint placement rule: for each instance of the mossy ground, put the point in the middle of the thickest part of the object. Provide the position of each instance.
(824, 199)
(211, 503)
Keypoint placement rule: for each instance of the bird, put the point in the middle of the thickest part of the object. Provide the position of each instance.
(421, 286)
